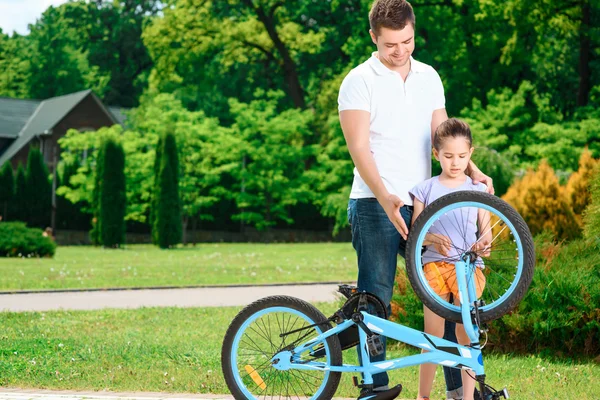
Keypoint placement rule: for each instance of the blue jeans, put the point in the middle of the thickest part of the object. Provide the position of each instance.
(377, 244)
(452, 375)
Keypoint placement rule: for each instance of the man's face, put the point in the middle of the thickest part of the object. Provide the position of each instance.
(395, 46)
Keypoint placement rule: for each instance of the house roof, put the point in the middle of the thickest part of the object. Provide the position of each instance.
(31, 118)
(15, 114)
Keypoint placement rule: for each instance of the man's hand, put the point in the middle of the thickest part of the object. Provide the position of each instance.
(391, 204)
(478, 176)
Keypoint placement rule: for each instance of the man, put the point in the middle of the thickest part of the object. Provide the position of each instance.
(389, 107)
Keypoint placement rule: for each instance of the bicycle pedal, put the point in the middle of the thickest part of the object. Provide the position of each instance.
(375, 345)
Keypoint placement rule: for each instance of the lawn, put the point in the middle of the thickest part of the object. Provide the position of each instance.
(178, 350)
(205, 264)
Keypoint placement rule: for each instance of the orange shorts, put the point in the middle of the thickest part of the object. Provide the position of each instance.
(442, 278)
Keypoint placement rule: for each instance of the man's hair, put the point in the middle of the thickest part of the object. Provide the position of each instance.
(454, 128)
(391, 14)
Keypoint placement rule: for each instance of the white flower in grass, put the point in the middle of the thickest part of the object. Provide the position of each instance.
(61, 345)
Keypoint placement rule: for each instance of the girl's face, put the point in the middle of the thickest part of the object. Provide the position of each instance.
(454, 156)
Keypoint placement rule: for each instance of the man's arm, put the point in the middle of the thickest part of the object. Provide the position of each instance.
(437, 118)
(355, 125)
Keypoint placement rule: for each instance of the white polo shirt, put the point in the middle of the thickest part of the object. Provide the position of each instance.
(400, 129)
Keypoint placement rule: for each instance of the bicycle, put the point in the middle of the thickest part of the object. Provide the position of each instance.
(283, 346)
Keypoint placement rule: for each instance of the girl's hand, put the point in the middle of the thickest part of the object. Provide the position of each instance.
(483, 247)
(441, 243)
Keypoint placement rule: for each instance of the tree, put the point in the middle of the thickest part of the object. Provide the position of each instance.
(18, 209)
(39, 190)
(7, 188)
(112, 196)
(543, 204)
(156, 189)
(168, 213)
(272, 175)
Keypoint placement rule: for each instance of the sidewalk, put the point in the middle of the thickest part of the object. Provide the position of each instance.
(41, 394)
(186, 297)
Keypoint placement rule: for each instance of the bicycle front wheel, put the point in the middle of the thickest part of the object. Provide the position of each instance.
(482, 230)
(270, 326)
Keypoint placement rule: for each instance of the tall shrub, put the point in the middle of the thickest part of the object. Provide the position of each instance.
(113, 197)
(18, 207)
(7, 189)
(168, 215)
(39, 190)
(578, 186)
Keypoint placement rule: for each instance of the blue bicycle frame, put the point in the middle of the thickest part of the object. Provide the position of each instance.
(439, 351)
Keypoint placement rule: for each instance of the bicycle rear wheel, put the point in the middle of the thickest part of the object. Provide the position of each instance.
(254, 338)
(507, 261)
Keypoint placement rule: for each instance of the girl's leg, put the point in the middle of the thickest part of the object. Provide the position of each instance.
(434, 325)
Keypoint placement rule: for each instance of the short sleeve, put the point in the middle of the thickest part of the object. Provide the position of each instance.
(439, 100)
(354, 94)
(482, 187)
(420, 192)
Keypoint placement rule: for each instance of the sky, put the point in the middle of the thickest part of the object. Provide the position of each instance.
(15, 15)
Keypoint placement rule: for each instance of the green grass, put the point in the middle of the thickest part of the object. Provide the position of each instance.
(206, 264)
(178, 350)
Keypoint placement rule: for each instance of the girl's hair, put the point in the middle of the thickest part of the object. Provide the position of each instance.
(451, 128)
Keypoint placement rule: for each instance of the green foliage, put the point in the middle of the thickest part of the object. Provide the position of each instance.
(560, 311)
(498, 167)
(7, 189)
(16, 240)
(271, 156)
(167, 225)
(38, 190)
(112, 196)
(96, 232)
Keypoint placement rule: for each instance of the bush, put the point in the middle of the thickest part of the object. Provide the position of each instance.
(560, 311)
(16, 240)
(591, 215)
(543, 204)
(578, 187)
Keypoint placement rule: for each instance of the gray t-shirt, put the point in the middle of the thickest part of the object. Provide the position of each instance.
(461, 229)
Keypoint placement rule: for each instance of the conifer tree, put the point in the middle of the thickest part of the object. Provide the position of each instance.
(113, 197)
(168, 215)
(7, 189)
(18, 207)
(39, 190)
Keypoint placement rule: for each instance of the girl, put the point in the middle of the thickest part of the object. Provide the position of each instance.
(452, 147)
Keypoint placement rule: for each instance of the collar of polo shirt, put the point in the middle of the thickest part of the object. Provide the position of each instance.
(381, 69)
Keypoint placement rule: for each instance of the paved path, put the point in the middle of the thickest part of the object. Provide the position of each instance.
(187, 297)
(39, 394)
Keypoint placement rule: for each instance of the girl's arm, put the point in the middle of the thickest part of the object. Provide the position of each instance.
(485, 232)
(441, 243)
